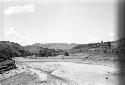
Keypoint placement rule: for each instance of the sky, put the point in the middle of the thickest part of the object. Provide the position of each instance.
(58, 21)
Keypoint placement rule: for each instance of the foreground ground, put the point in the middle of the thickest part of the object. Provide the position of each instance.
(52, 71)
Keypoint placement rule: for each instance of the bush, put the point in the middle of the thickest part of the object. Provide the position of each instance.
(66, 54)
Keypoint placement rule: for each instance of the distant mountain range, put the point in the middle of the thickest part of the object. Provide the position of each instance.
(63, 46)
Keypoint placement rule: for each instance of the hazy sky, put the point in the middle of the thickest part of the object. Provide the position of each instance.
(59, 21)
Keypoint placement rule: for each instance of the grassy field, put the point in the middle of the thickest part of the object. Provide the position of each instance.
(110, 60)
(61, 70)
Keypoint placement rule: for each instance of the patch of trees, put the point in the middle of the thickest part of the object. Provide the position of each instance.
(47, 52)
(7, 53)
(37, 51)
(8, 50)
(25, 53)
(66, 54)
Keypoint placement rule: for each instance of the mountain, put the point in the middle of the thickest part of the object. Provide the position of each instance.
(63, 46)
(111, 47)
(33, 49)
(43, 52)
(49, 49)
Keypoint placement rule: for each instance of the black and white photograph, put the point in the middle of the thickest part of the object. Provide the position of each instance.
(62, 42)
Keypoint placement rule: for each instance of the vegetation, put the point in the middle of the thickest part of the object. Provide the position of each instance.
(8, 50)
(95, 48)
(63, 46)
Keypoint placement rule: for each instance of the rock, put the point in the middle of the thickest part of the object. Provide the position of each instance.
(7, 65)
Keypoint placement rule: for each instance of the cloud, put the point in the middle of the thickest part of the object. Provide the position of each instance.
(22, 38)
(78, 0)
(93, 39)
(19, 9)
(111, 34)
(100, 0)
(10, 31)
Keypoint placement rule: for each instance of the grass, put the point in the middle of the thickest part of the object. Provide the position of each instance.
(19, 79)
(102, 59)
(27, 79)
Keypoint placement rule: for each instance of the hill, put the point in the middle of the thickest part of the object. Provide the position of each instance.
(63, 46)
(38, 51)
(104, 47)
(112, 47)
(8, 50)
(101, 52)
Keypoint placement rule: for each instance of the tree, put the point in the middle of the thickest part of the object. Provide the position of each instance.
(109, 44)
(101, 41)
(66, 54)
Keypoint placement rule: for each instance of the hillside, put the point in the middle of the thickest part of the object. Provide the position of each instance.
(8, 50)
(33, 49)
(38, 51)
(101, 52)
(103, 47)
(111, 48)
(63, 46)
